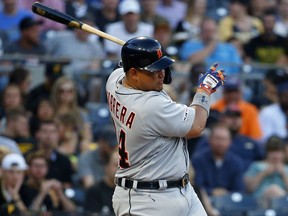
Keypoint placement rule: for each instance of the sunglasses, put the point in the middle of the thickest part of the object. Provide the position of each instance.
(66, 90)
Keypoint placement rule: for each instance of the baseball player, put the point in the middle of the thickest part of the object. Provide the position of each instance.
(152, 177)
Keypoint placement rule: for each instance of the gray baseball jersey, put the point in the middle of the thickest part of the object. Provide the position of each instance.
(149, 127)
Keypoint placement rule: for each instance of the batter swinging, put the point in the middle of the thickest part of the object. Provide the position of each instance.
(152, 177)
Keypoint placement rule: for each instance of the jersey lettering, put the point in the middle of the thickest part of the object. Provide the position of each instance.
(124, 155)
(120, 112)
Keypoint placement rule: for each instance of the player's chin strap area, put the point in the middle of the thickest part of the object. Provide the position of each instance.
(153, 185)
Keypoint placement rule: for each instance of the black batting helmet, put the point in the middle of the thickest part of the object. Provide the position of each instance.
(146, 53)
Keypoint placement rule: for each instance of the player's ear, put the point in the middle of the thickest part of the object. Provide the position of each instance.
(133, 73)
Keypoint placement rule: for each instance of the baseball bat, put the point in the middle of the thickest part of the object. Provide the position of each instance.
(70, 21)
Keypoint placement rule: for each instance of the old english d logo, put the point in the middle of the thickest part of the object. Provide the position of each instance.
(159, 53)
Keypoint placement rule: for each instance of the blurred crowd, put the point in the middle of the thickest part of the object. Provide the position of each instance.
(58, 149)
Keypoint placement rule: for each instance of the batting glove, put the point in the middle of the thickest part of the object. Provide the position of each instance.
(212, 79)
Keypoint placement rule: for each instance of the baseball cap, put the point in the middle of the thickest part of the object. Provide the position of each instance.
(232, 83)
(54, 70)
(232, 110)
(282, 87)
(28, 22)
(14, 160)
(129, 6)
(107, 133)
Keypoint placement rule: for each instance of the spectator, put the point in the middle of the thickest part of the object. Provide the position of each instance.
(10, 17)
(29, 42)
(13, 168)
(167, 7)
(64, 99)
(22, 78)
(48, 25)
(87, 58)
(45, 111)
(163, 33)
(128, 27)
(257, 8)
(246, 148)
(92, 162)
(108, 13)
(232, 95)
(268, 47)
(209, 49)
(65, 43)
(69, 135)
(53, 70)
(273, 118)
(281, 25)
(268, 178)
(98, 198)
(149, 14)
(189, 27)
(42, 194)
(218, 170)
(11, 99)
(239, 24)
(270, 81)
(17, 129)
(60, 167)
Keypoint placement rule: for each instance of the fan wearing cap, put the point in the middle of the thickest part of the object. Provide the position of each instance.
(152, 178)
(29, 42)
(128, 27)
(13, 168)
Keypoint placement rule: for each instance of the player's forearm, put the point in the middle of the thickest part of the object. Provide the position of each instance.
(201, 104)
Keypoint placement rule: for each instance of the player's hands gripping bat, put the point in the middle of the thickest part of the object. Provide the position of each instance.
(212, 79)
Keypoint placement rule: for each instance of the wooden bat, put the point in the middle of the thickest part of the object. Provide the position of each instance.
(70, 21)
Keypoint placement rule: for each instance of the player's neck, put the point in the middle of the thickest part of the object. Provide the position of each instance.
(127, 84)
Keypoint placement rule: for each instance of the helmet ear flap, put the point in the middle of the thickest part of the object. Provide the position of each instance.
(168, 76)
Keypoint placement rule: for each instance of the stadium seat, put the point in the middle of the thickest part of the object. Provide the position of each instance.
(99, 116)
(280, 203)
(267, 212)
(236, 204)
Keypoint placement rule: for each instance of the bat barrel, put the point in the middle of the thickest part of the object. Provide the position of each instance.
(55, 15)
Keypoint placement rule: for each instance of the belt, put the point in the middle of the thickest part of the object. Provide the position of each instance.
(153, 185)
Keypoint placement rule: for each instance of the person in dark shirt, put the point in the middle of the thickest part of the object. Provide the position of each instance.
(17, 128)
(268, 47)
(53, 70)
(13, 167)
(60, 167)
(106, 14)
(29, 42)
(218, 170)
(42, 194)
(98, 198)
(249, 150)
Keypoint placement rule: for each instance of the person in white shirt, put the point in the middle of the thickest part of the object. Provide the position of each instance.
(130, 26)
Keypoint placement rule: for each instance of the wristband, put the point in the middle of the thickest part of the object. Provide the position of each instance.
(203, 100)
